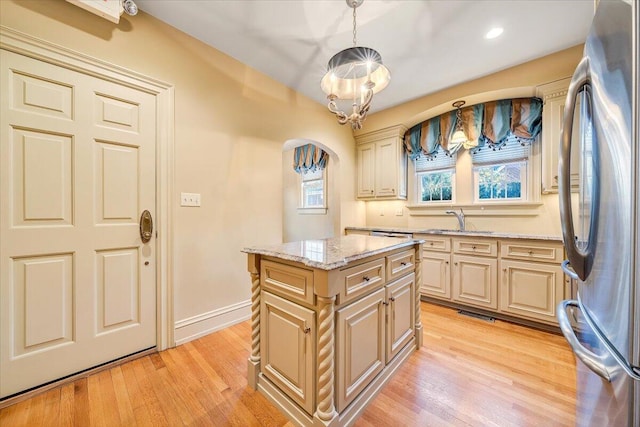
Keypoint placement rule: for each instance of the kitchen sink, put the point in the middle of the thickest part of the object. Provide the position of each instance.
(447, 231)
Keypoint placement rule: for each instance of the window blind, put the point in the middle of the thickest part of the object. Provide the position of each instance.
(513, 150)
(437, 162)
(312, 175)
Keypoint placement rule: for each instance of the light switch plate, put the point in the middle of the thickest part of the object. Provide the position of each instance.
(189, 199)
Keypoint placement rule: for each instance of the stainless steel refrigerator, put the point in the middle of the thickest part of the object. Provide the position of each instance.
(601, 223)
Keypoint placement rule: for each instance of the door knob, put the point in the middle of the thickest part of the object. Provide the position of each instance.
(146, 226)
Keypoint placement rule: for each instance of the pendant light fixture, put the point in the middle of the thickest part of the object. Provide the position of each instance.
(459, 137)
(354, 74)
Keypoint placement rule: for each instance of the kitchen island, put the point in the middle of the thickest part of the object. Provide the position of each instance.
(331, 321)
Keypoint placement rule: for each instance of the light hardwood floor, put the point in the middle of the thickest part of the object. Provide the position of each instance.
(468, 373)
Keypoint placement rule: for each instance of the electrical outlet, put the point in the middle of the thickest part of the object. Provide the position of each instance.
(189, 199)
(399, 212)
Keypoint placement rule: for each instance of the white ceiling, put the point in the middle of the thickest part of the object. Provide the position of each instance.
(427, 45)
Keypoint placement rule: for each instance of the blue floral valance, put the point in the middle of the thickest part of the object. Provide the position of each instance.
(490, 124)
(309, 158)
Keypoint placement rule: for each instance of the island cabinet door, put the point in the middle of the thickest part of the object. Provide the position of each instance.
(287, 332)
(400, 314)
(360, 346)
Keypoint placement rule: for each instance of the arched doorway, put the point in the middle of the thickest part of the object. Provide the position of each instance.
(300, 224)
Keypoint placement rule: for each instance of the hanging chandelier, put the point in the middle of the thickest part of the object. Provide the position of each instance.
(354, 74)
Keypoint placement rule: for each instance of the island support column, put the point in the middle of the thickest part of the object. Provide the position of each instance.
(254, 359)
(418, 272)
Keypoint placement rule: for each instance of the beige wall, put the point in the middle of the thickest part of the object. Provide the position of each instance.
(518, 81)
(231, 123)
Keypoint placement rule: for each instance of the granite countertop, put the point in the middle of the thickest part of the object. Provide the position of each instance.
(467, 233)
(332, 253)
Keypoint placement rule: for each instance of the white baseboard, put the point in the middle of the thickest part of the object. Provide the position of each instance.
(197, 326)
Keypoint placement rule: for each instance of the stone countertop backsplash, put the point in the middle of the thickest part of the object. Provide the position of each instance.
(466, 233)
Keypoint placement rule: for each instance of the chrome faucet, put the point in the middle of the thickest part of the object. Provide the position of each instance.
(460, 217)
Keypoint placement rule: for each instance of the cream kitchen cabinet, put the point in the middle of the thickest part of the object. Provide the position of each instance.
(475, 272)
(436, 266)
(287, 347)
(330, 326)
(369, 334)
(531, 280)
(381, 164)
(554, 96)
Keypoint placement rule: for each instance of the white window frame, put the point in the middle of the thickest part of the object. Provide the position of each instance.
(524, 182)
(313, 177)
(442, 163)
(418, 195)
(530, 177)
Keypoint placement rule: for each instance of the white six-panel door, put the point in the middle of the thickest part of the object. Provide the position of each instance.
(77, 168)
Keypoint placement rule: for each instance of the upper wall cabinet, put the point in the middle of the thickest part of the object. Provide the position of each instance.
(554, 95)
(381, 165)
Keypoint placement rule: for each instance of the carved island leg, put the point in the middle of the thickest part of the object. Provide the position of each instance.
(326, 412)
(417, 290)
(254, 359)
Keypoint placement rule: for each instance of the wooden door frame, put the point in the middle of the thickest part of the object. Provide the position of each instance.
(33, 47)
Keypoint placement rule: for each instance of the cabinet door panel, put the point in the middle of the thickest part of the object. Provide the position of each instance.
(400, 314)
(360, 349)
(286, 347)
(530, 289)
(555, 95)
(436, 274)
(366, 170)
(475, 281)
(386, 168)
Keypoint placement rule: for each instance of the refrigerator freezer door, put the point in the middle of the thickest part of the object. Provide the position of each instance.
(603, 397)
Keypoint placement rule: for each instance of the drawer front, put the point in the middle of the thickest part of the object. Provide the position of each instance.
(287, 280)
(476, 246)
(361, 279)
(400, 264)
(434, 243)
(532, 251)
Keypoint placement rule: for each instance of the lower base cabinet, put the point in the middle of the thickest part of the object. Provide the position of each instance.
(475, 281)
(520, 278)
(436, 274)
(330, 339)
(360, 342)
(369, 333)
(531, 289)
(286, 347)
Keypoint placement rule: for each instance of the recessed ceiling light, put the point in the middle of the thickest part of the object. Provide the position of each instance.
(493, 33)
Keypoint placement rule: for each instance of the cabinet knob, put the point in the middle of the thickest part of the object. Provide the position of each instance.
(431, 243)
(446, 262)
(385, 303)
(392, 299)
(473, 247)
(530, 252)
(504, 269)
(307, 330)
(455, 263)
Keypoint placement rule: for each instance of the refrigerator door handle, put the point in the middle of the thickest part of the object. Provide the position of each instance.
(566, 269)
(593, 361)
(581, 261)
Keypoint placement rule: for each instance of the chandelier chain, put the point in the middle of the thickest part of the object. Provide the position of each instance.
(354, 23)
